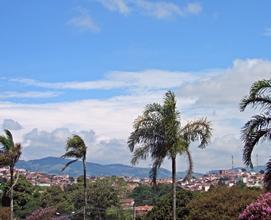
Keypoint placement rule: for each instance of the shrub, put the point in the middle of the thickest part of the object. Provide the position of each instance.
(261, 209)
(221, 203)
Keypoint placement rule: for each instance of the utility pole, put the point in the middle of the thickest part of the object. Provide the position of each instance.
(134, 212)
(231, 161)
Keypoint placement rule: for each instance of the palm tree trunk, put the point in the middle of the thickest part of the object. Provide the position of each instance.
(11, 169)
(85, 187)
(174, 187)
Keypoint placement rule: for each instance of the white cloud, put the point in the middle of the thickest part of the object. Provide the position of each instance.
(214, 94)
(11, 125)
(159, 80)
(227, 86)
(116, 5)
(38, 143)
(31, 94)
(83, 21)
(158, 9)
(194, 8)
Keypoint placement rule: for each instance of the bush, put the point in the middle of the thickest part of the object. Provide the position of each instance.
(4, 213)
(221, 203)
(42, 214)
(163, 210)
(261, 209)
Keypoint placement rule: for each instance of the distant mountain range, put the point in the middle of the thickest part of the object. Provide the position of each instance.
(53, 165)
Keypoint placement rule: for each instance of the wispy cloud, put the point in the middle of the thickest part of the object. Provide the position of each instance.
(15, 94)
(158, 9)
(267, 32)
(194, 8)
(83, 21)
(120, 80)
(116, 5)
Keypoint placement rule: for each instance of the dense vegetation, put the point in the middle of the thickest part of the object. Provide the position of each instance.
(102, 195)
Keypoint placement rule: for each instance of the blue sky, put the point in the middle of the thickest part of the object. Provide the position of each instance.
(123, 54)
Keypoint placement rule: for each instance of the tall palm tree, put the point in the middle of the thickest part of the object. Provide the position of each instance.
(158, 133)
(76, 148)
(259, 126)
(9, 155)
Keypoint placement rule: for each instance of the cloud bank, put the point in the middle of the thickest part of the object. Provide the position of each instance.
(214, 94)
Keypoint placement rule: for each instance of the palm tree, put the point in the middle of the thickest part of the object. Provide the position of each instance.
(259, 126)
(9, 155)
(158, 134)
(77, 149)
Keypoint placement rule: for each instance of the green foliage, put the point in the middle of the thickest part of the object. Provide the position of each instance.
(55, 197)
(148, 195)
(163, 210)
(101, 195)
(26, 197)
(119, 214)
(221, 203)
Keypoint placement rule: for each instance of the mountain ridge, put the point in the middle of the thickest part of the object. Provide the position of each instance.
(53, 165)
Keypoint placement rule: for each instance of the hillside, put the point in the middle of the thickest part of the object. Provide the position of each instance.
(53, 165)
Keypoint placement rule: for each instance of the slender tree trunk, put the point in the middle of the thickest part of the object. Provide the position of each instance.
(85, 186)
(174, 188)
(11, 169)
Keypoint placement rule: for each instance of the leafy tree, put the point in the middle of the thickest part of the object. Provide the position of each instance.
(26, 197)
(147, 195)
(77, 149)
(158, 133)
(221, 203)
(102, 195)
(9, 155)
(55, 197)
(259, 127)
(162, 211)
(116, 213)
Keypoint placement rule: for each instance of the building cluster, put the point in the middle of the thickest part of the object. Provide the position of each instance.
(222, 177)
(37, 178)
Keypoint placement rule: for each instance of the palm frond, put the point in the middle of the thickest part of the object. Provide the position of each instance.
(5, 159)
(197, 130)
(267, 177)
(140, 153)
(155, 167)
(17, 151)
(76, 145)
(146, 130)
(6, 140)
(68, 164)
(250, 141)
(154, 108)
(190, 166)
(260, 87)
(72, 153)
(264, 102)
(256, 129)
